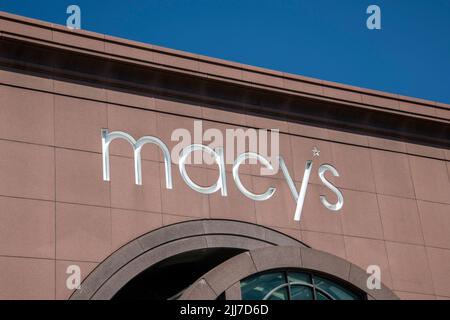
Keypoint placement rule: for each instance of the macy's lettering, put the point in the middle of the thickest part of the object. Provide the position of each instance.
(221, 183)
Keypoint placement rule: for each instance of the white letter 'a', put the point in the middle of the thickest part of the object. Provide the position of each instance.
(374, 21)
(74, 20)
(217, 154)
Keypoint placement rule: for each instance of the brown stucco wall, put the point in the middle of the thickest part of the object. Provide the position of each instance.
(56, 210)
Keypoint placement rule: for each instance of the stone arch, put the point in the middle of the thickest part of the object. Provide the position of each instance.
(226, 277)
(147, 250)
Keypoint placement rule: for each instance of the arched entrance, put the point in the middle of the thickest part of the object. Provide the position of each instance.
(178, 256)
(310, 270)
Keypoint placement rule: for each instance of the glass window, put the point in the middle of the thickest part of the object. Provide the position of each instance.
(334, 290)
(295, 285)
(299, 277)
(257, 287)
(301, 293)
(280, 294)
(321, 296)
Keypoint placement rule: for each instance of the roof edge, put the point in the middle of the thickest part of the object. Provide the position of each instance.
(11, 24)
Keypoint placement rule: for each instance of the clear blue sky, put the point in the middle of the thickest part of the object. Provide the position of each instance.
(325, 39)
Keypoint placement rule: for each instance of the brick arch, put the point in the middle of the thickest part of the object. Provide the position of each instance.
(147, 250)
(226, 277)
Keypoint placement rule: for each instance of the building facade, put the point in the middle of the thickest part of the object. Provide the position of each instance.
(362, 193)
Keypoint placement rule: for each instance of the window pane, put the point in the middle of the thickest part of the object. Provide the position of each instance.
(321, 296)
(334, 290)
(299, 277)
(295, 285)
(280, 294)
(301, 293)
(257, 287)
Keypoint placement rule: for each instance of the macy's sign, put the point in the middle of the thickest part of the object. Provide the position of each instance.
(217, 154)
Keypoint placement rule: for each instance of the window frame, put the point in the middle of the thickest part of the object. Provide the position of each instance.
(312, 274)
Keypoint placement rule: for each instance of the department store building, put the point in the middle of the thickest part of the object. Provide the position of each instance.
(90, 191)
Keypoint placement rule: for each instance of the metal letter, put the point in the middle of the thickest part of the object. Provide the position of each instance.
(221, 182)
(251, 155)
(298, 197)
(333, 207)
(108, 137)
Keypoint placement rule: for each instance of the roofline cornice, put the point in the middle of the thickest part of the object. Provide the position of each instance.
(53, 51)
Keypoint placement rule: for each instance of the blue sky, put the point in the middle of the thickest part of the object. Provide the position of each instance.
(325, 39)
